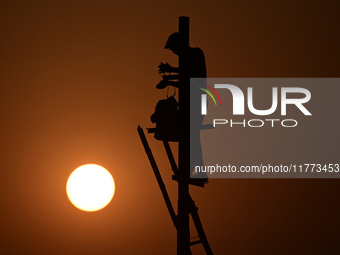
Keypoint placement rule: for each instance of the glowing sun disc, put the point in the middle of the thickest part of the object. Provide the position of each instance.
(90, 187)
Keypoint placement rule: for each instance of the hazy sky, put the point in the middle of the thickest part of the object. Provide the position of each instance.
(78, 77)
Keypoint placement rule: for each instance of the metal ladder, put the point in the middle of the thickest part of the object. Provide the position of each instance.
(196, 182)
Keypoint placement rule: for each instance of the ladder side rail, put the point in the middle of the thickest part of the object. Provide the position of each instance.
(171, 158)
(199, 227)
(158, 176)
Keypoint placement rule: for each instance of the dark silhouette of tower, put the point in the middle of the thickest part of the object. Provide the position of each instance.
(191, 64)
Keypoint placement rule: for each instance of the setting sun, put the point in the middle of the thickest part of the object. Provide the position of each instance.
(90, 187)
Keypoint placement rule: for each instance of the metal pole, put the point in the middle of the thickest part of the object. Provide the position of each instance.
(183, 232)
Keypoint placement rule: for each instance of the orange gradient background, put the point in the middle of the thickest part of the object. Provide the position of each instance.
(78, 77)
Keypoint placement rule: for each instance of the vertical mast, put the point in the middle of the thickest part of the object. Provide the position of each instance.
(183, 232)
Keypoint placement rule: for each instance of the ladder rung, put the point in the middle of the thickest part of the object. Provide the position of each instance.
(195, 182)
(195, 242)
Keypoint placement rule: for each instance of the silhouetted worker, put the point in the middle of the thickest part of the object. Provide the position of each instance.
(194, 67)
(166, 117)
(193, 58)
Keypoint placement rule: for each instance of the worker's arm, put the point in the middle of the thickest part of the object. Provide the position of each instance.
(166, 68)
(170, 77)
(164, 83)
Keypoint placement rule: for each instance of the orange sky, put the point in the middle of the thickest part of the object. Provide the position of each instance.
(78, 77)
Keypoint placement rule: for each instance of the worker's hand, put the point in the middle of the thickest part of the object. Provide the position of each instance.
(162, 84)
(164, 68)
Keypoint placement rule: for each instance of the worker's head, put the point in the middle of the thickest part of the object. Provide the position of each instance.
(174, 43)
